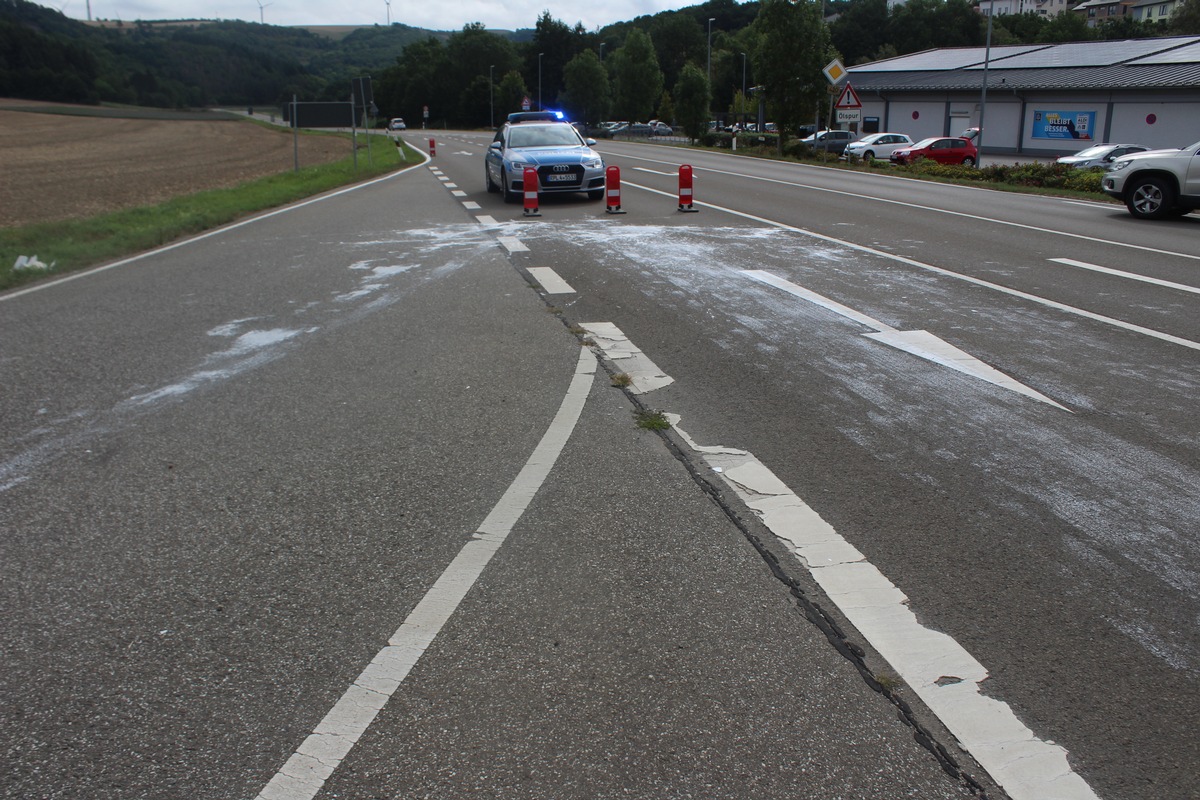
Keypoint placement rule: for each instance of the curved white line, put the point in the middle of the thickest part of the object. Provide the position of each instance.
(302, 777)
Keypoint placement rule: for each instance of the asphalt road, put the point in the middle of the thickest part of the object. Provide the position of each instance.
(233, 472)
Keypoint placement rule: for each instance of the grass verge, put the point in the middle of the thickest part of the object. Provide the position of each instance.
(73, 245)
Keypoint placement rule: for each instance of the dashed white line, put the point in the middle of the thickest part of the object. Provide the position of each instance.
(1070, 262)
(644, 374)
(513, 245)
(471, 205)
(550, 280)
(302, 777)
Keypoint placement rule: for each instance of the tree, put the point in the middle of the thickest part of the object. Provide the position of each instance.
(587, 92)
(510, 93)
(789, 56)
(1186, 18)
(692, 100)
(860, 30)
(556, 44)
(639, 79)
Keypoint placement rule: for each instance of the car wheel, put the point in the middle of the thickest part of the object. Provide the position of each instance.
(869, 155)
(970, 162)
(487, 176)
(509, 195)
(1150, 198)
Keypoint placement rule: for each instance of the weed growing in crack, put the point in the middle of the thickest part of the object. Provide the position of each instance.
(651, 420)
(622, 379)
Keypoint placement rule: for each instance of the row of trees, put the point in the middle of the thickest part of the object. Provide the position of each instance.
(651, 66)
(636, 70)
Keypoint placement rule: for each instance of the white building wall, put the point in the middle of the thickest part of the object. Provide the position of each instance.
(1156, 124)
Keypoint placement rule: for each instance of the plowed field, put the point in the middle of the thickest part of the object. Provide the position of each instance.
(55, 167)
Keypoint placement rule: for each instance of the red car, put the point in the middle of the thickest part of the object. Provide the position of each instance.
(942, 149)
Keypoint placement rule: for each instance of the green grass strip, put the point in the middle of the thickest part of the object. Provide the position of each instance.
(73, 245)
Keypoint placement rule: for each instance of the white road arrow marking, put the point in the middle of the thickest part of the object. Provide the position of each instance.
(919, 343)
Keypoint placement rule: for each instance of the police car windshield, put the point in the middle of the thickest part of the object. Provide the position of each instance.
(543, 136)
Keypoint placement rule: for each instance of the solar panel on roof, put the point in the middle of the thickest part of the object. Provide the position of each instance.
(943, 60)
(1083, 54)
(1188, 54)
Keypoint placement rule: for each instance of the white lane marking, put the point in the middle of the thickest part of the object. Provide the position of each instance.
(470, 205)
(451, 185)
(459, 193)
(919, 343)
(818, 299)
(306, 771)
(912, 262)
(486, 219)
(936, 209)
(943, 674)
(656, 172)
(513, 244)
(550, 280)
(443, 178)
(201, 237)
(644, 373)
(1183, 287)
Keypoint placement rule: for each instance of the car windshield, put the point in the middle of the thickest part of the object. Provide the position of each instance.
(924, 142)
(1092, 152)
(543, 136)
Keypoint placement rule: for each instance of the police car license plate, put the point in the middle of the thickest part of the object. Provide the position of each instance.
(552, 177)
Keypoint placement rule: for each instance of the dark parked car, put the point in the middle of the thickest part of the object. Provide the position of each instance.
(829, 141)
(1101, 155)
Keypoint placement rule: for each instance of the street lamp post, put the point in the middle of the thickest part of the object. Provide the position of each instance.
(602, 50)
(491, 97)
(987, 57)
(743, 82)
(711, 20)
(540, 80)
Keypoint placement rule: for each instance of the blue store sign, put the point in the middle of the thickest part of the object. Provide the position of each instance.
(1064, 124)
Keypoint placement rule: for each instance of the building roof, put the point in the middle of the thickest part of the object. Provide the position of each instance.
(1169, 62)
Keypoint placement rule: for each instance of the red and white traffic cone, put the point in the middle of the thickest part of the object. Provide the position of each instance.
(529, 183)
(432, 148)
(685, 189)
(612, 190)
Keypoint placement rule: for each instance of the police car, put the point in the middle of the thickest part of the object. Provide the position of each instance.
(564, 160)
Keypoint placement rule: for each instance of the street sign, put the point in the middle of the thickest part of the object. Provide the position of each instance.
(834, 71)
(525, 103)
(845, 116)
(848, 98)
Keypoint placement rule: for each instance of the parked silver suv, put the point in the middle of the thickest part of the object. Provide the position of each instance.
(1156, 184)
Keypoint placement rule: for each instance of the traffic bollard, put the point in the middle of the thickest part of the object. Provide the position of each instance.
(612, 190)
(529, 183)
(432, 148)
(685, 189)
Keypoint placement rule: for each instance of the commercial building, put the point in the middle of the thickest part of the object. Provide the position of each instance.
(1041, 99)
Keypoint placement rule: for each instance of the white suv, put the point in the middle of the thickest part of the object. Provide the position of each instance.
(1156, 184)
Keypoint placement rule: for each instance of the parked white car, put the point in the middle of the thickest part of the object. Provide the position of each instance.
(877, 145)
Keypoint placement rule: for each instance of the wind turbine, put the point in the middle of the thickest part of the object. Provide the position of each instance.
(261, 6)
(388, 3)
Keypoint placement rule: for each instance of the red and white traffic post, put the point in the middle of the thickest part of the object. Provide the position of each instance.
(529, 184)
(432, 147)
(612, 190)
(685, 189)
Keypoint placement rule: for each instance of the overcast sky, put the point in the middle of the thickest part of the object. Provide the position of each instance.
(441, 15)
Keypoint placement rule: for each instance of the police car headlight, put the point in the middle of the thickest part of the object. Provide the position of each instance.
(594, 163)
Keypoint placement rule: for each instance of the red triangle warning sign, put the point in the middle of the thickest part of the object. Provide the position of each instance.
(848, 98)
